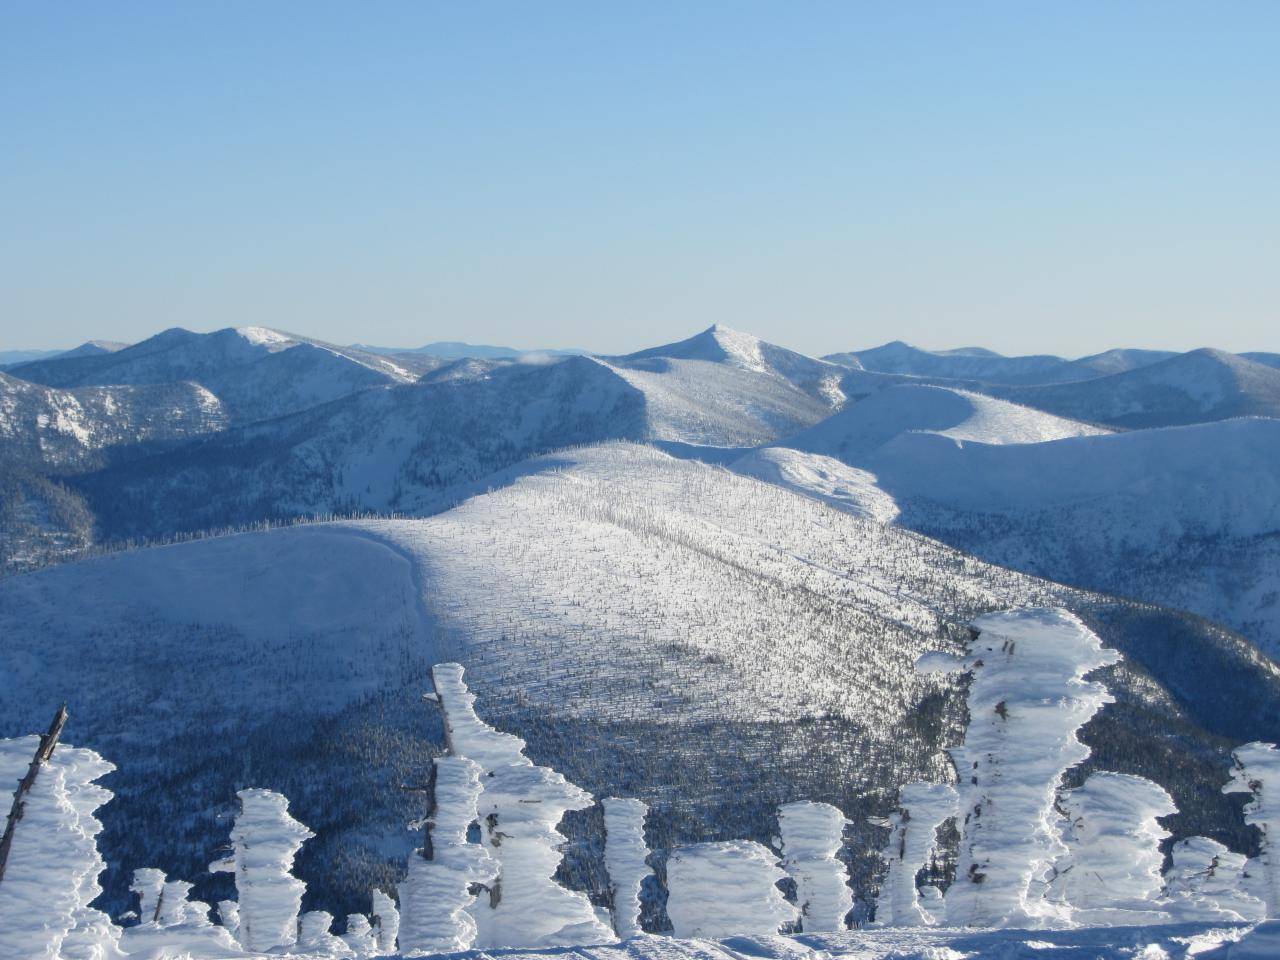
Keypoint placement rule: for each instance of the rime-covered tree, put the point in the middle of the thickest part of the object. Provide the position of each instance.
(810, 836)
(1257, 773)
(913, 830)
(725, 889)
(265, 840)
(626, 859)
(1027, 699)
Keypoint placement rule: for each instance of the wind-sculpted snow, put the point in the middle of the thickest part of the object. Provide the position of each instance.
(726, 889)
(913, 842)
(436, 893)
(1027, 700)
(1257, 773)
(1206, 882)
(811, 834)
(1112, 871)
(520, 805)
(51, 875)
(656, 628)
(265, 840)
(626, 859)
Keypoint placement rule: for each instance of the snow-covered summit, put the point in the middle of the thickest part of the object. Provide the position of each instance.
(1196, 387)
(256, 372)
(862, 427)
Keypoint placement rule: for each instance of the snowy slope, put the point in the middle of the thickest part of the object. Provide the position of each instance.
(397, 450)
(726, 388)
(651, 627)
(985, 366)
(970, 363)
(68, 430)
(1195, 387)
(404, 448)
(1187, 516)
(255, 372)
(861, 427)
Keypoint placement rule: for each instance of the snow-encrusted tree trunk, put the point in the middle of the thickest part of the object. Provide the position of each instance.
(265, 840)
(520, 807)
(811, 835)
(386, 921)
(1257, 773)
(171, 923)
(51, 875)
(1027, 699)
(436, 893)
(1206, 882)
(726, 889)
(1110, 874)
(913, 834)
(626, 859)
(148, 884)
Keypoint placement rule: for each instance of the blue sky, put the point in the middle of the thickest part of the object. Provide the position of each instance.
(1047, 177)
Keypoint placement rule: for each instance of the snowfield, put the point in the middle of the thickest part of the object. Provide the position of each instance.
(652, 627)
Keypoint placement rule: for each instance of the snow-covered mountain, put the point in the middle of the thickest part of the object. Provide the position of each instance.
(255, 372)
(726, 388)
(985, 366)
(70, 430)
(966, 363)
(12, 358)
(652, 627)
(961, 415)
(1187, 517)
(405, 449)
(1195, 387)
(459, 350)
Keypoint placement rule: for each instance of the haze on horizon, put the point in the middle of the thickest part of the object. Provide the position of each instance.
(1027, 178)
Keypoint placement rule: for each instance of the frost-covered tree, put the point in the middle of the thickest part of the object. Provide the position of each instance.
(265, 840)
(229, 915)
(1027, 699)
(725, 889)
(315, 935)
(170, 923)
(148, 884)
(51, 875)
(520, 807)
(438, 889)
(913, 832)
(1257, 773)
(359, 937)
(386, 921)
(1206, 882)
(811, 835)
(626, 859)
(1110, 874)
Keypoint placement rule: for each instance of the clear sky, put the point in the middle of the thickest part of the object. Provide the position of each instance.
(1027, 176)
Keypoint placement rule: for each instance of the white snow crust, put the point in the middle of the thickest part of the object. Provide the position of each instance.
(922, 808)
(1257, 773)
(626, 860)
(726, 888)
(1027, 699)
(811, 834)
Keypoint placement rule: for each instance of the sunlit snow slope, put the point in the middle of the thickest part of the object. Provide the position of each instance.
(652, 627)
